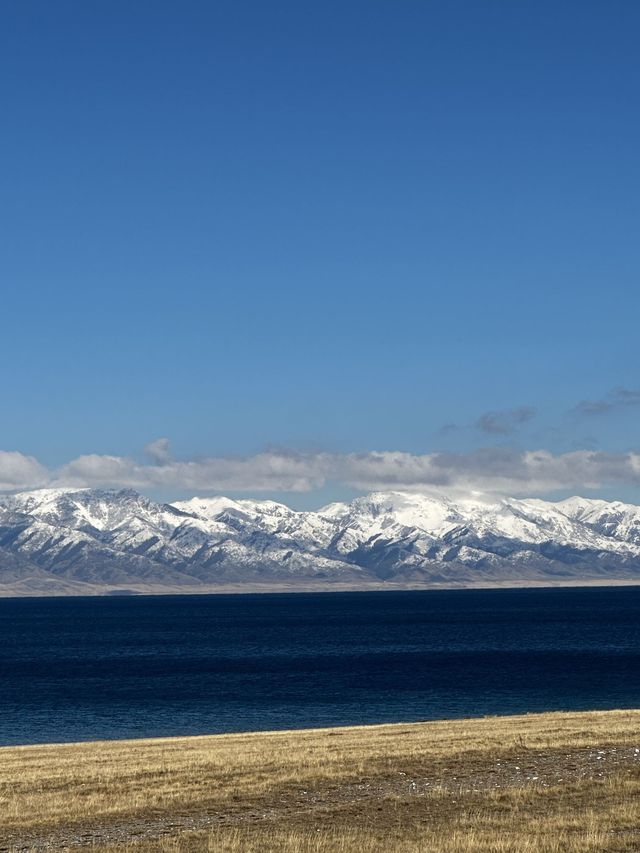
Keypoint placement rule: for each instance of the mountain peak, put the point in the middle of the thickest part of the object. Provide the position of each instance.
(96, 539)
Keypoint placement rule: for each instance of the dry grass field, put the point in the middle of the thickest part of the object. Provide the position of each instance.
(549, 782)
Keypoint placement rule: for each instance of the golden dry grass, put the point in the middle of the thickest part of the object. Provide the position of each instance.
(551, 782)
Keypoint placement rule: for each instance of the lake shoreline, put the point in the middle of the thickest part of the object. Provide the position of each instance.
(92, 591)
(568, 778)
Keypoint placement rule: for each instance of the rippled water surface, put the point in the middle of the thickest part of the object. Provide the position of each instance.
(85, 668)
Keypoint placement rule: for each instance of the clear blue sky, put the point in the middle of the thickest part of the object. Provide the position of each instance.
(332, 226)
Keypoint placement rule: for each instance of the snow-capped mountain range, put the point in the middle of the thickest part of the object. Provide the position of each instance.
(57, 541)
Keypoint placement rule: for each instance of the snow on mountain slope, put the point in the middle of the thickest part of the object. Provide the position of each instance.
(614, 519)
(112, 538)
(128, 536)
(303, 529)
(400, 535)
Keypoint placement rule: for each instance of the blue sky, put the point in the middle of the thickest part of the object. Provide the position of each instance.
(310, 229)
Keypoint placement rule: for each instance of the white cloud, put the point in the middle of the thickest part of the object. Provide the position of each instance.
(269, 471)
(495, 470)
(491, 470)
(18, 471)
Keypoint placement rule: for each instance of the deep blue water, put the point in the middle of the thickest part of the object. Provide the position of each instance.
(85, 668)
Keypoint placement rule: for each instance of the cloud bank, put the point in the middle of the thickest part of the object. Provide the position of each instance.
(490, 470)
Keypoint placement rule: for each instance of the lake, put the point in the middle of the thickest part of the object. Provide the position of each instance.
(121, 667)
